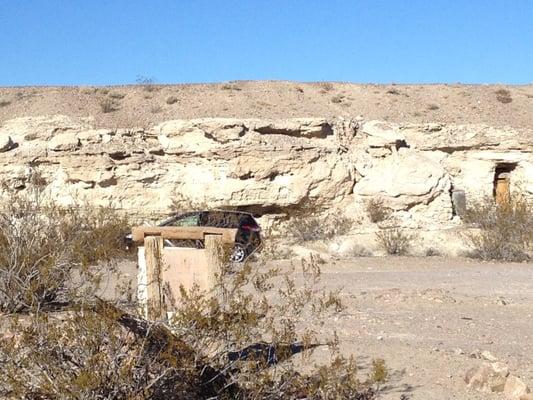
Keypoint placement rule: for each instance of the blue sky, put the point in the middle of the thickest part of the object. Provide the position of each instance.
(69, 42)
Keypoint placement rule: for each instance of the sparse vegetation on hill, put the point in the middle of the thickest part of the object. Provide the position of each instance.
(460, 104)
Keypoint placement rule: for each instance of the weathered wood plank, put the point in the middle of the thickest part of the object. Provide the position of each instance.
(153, 246)
(139, 233)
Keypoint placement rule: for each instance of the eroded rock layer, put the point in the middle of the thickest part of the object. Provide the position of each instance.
(267, 166)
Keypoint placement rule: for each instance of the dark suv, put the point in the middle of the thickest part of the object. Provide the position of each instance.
(248, 238)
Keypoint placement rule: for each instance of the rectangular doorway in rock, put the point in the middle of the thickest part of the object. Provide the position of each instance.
(502, 183)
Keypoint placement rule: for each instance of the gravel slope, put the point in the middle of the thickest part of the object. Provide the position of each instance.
(142, 106)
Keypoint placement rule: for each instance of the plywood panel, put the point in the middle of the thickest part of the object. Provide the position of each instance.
(183, 267)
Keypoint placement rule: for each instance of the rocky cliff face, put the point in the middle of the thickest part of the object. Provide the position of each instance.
(267, 166)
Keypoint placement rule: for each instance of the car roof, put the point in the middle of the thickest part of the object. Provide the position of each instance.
(184, 214)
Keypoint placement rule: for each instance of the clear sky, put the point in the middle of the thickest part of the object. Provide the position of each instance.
(71, 42)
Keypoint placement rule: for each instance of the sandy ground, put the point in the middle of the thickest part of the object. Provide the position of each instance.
(430, 319)
(143, 106)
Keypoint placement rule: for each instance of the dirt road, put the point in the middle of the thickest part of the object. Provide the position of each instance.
(430, 318)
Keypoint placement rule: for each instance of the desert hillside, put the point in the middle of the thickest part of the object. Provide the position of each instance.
(149, 104)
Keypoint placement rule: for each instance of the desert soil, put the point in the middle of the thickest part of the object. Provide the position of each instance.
(430, 319)
(145, 105)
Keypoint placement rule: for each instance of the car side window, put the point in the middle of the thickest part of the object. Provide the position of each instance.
(188, 220)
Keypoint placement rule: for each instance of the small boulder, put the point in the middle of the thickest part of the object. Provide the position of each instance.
(487, 355)
(64, 142)
(488, 377)
(6, 143)
(515, 388)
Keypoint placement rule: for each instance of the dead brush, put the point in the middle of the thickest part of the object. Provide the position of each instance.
(376, 210)
(312, 228)
(220, 345)
(108, 105)
(504, 231)
(395, 241)
(42, 246)
(503, 96)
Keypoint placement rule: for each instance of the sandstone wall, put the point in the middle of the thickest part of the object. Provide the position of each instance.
(266, 166)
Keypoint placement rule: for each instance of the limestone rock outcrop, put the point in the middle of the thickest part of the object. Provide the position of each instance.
(289, 166)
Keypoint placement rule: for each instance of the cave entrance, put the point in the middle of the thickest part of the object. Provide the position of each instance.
(502, 183)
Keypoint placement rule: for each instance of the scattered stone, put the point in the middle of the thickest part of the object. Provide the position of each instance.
(459, 352)
(6, 143)
(487, 355)
(487, 378)
(515, 388)
(64, 142)
(475, 354)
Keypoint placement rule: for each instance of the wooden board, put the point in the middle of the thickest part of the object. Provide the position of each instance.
(189, 232)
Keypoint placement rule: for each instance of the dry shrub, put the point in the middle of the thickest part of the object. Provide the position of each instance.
(376, 210)
(108, 105)
(505, 232)
(4, 102)
(90, 355)
(155, 109)
(307, 229)
(358, 250)
(117, 95)
(171, 100)
(337, 99)
(503, 96)
(43, 246)
(325, 87)
(433, 107)
(236, 342)
(148, 84)
(231, 86)
(395, 241)
(432, 252)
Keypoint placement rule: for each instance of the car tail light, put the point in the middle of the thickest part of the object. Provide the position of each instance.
(251, 228)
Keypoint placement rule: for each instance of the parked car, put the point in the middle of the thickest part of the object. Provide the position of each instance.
(247, 241)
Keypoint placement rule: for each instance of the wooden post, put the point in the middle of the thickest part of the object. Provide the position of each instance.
(153, 246)
(215, 257)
